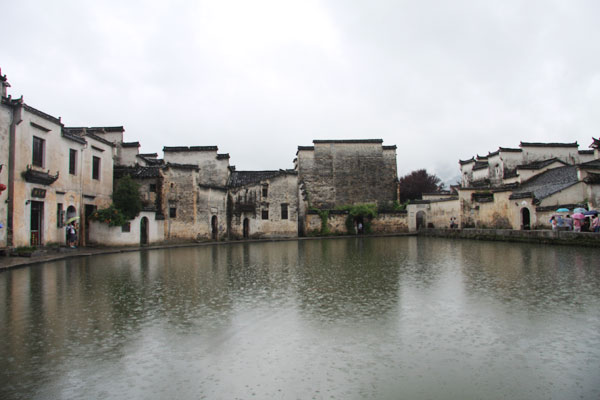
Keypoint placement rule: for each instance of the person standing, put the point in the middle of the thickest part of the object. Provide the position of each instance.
(75, 228)
(576, 225)
(71, 235)
(569, 222)
(554, 223)
(596, 224)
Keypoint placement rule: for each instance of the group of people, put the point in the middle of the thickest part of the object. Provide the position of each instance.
(588, 224)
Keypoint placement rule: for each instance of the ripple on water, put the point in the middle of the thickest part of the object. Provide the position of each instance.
(345, 318)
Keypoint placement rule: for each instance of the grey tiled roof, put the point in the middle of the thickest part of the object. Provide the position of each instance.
(99, 139)
(540, 164)
(71, 136)
(535, 144)
(594, 164)
(350, 141)
(138, 172)
(151, 160)
(510, 173)
(191, 148)
(593, 179)
(42, 114)
(480, 165)
(549, 182)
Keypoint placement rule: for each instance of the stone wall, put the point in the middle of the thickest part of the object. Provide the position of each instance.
(180, 194)
(248, 202)
(344, 172)
(394, 222)
(390, 223)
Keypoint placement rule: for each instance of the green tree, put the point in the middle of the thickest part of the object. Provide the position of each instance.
(126, 197)
(413, 185)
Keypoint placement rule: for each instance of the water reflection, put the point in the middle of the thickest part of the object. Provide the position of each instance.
(341, 318)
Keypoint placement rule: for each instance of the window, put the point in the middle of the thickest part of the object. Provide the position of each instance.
(265, 214)
(95, 167)
(60, 215)
(126, 227)
(265, 191)
(284, 211)
(38, 152)
(172, 212)
(153, 187)
(72, 161)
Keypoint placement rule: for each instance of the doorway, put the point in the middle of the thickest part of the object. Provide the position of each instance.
(246, 228)
(526, 219)
(215, 227)
(359, 224)
(37, 223)
(421, 219)
(144, 232)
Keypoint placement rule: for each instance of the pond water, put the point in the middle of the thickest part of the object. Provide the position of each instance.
(355, 318)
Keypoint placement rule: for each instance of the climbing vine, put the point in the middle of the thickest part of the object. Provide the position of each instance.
(324, 215)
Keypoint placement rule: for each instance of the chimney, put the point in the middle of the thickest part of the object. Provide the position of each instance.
(3, 84)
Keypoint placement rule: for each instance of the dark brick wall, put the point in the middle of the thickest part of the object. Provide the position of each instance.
(337, 174)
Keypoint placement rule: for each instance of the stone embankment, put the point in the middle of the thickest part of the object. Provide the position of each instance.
(509, 235)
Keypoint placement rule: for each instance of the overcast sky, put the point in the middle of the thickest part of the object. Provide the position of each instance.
(442, 80)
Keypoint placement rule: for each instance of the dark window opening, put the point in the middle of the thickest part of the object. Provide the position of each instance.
(96, 167)
(60, 215)
(284, 211)
(153, 187)
(38, 152)
(265, 190)
(265, 214)
(172, 212)
(126, 227)
(72, 161)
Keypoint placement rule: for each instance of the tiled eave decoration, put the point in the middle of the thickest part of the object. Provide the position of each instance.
(39, 177)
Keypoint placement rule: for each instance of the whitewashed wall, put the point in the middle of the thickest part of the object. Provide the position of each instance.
(101, 233)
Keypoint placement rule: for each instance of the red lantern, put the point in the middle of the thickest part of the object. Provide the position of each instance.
(2, 187)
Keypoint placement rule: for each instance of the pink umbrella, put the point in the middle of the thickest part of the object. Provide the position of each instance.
(578, 216)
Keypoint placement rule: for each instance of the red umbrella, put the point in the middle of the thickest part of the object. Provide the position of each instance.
(578, 216)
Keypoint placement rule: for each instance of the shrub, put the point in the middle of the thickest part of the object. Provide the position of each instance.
(111, 216)
(126, 197)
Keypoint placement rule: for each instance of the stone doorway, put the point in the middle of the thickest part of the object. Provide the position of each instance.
(525, 219)
(246, 228)
(421, 220)
(215, 227)
(144, 231)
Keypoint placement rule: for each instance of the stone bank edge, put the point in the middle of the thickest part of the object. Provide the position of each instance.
(509, 235)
